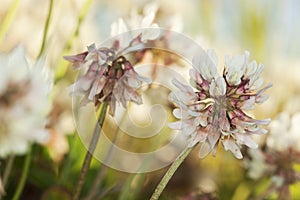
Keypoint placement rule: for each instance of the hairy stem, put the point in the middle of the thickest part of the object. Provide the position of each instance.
(24, 175)
(90, 152)
(165, 180)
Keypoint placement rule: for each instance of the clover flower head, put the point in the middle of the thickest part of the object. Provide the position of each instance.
(24, 102)
(284, 133)
(142, 26)
(280, 154)
(214, 111)
(109, 77)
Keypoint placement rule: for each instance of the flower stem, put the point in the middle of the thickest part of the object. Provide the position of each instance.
(46, 29)
(24, 175)
(103, 168)
(8, 19)
(62, 64)
(165, 180)
(90, 152)
(8, 168)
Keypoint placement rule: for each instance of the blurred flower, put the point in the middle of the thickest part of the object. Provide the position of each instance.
(109, 78)
(281, 152)
(215, 112)
(140, 25)
(284, 133)
(24, 102)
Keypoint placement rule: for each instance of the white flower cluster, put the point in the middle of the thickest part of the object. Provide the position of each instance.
(216, 111)
(24, 102)
(285, 132)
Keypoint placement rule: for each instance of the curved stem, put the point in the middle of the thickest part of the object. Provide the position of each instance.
(165, 180)
(101, 172)
(46, 29)
(90, 152)
(62, 64)
(8, 19)
(8, 168)
(24, 175)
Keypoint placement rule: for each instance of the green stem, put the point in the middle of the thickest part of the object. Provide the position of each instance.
(8, 18)
(90, 152)
(46, 29)
(62, 65)
(165, 180)
(8, 168)
(24, 175)
(101, 172)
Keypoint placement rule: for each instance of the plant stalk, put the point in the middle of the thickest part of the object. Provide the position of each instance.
(165, 180)
(90, 152)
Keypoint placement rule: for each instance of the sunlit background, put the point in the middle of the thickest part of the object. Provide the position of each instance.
(269, 30)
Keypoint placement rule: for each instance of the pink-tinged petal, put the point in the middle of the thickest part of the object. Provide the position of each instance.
(151, 33)
(85, 100)
(193, 113)
(249, 104)
(213, 136)
(259, 131)
(81, 86)
(231, 145)
(201, 135)
(257, 84)
(135, 97)
(197, 106)
(79, 58)
(175, 125)
(245, 139)
(217, 87)
(97, 86)
(183, 87)
(205, 149)
(180, 113)
(235, 68)
(132, 82)
(144, 79)
(223, 121)
(205, 64)
(261, 122)
(250, 69)
(195, 76)
(261, 98)
(256, 74)
(188, 129)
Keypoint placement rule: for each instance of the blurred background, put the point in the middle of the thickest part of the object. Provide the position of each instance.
(269, 30)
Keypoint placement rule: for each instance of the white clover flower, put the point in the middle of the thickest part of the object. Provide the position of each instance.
(24, 102)
(284, 133)
(142, 26)
(215, 112)
(109, 77)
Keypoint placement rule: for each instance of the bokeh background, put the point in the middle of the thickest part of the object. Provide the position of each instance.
(268, 29)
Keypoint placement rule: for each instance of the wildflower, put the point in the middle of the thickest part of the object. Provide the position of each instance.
(109, 77)
(216, 110)
(279, 156)
(284, 133)
(24, 103)
(141, 27)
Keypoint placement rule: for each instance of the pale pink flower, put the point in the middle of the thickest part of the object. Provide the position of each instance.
(216, 110)
(109, 77)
